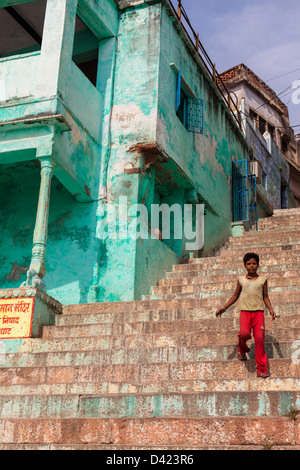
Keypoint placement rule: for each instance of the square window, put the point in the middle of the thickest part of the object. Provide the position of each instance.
(189, 109)
(86, 50)
(264, 180)
(181, 110)
(194, 115)
(262, 125)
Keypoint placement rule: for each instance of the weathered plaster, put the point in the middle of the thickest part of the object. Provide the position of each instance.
(126, 141)
(70, 254)
(205, 159)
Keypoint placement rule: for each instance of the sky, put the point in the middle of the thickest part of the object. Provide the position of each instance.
(262, 34)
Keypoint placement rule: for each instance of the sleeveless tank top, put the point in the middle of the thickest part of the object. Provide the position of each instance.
(251, 297)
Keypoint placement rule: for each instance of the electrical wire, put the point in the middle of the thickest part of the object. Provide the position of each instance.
(284, 75)
(285, 90)
(278, 95)
(275, 127)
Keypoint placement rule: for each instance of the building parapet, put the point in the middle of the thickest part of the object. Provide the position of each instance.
(208, 66)
(241, 73)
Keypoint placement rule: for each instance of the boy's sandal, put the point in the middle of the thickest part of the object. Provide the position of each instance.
(263, 376)
(241, 357)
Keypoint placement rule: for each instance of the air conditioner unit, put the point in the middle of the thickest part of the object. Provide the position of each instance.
(255, 169)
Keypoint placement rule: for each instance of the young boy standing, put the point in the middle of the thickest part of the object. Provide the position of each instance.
(252, 290)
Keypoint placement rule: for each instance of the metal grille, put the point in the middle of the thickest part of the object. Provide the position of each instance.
(252, 201)
(240, 191)
(244, 194)
(187, 27)
(178, 91)
(194, 114)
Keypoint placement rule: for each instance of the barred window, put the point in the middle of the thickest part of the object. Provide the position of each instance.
(189, 109)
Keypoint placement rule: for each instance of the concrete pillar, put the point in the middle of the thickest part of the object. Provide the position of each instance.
(244, 118)
(57, 47)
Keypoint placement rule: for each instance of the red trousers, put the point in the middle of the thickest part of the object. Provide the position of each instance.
(256, 322)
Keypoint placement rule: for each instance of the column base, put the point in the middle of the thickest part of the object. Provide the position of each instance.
(238, 229)
(24, 311)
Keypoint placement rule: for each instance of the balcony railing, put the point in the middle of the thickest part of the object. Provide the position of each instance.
(182, 17)
(18, 77)
(21, 93)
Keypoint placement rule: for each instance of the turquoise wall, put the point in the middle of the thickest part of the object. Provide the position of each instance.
(40, 86)
(126, 268)
(98, 159)
(70, 254)
(205, 159)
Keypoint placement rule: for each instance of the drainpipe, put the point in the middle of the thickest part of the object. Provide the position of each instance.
(244, 118)
(106, 156)
(93, 291)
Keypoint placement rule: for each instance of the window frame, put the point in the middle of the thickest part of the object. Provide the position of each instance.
(187, 105)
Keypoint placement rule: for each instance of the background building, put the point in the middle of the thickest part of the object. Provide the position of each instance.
(268, 116)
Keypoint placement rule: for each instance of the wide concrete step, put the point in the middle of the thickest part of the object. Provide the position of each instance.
(269, 255)
(263, 248)
(267, 261)
(133, 307)
(136, 341)
(138, 355)
(208, 275)
(281, 236)
(212, 298)
(151, 327)
(277, 228)
(142, 374)
(163, 327)
(194, 405)
(159, 309)
(166, 339)
(282, 225)
(204, 291)
(165, 405)
(196, 284)
(180, 279)
(170, 448)
(275, 221)
(193, 313)
(152, 431)
(287, 212)
(69, 319)
(242, 385)
(282, 212)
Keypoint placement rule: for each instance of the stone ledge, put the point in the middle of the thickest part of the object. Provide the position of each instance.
(123, 4)
(24, 312)
(32, 292)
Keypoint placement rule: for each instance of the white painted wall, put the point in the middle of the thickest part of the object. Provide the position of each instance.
(18, 77)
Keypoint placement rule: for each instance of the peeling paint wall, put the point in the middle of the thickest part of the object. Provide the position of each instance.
(99, 156)
(47, 87)
(70, 254)
(134, 119)
(274, 167)
(48, 107)
(144, 112)
(205, 159)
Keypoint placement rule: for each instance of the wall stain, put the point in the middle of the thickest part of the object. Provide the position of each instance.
(16, 272)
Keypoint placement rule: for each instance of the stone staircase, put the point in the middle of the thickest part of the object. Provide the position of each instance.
(162, 373)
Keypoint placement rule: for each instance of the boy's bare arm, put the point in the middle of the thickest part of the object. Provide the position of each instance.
(231, 301)
(267, 301)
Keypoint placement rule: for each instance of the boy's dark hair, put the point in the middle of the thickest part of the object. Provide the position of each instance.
(249, 256)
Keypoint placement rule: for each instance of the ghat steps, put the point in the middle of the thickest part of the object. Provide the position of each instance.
(162, 373)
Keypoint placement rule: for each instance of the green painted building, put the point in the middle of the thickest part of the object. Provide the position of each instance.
(103, 102)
